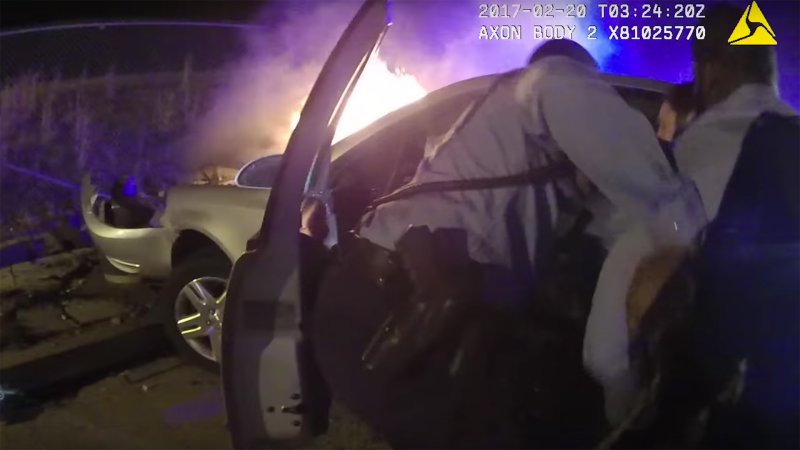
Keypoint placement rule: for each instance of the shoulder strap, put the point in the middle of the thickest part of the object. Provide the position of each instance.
(535, 176)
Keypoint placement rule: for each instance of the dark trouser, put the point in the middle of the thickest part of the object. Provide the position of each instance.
(521, 381)
(422, 408)
(749, 308)
(349, 310)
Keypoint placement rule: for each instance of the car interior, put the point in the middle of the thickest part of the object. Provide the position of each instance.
(646, 102)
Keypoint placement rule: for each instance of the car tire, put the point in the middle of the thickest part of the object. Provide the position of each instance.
(200, 266)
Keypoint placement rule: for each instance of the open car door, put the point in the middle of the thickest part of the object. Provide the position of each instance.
(266, 382)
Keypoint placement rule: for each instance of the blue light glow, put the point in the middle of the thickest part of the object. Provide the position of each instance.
(129, 189)
(389, 12)
(130, 23)
(447, 33)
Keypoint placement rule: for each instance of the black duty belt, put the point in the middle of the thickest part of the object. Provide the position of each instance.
(380, 263)
(535, 176)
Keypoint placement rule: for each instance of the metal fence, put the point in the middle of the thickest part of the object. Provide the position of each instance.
(105, 99)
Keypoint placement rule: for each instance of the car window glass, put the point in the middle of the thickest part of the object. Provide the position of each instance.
(646, 102)
(260, 173)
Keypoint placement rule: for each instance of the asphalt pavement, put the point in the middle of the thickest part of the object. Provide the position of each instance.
(164, 404)
(59, 306)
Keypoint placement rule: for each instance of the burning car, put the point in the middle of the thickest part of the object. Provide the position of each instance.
(273, 393)
(191, 243)
(189, 238)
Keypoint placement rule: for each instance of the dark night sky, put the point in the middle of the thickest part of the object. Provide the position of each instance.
(148, 48)
(26, 13)
(126, 49)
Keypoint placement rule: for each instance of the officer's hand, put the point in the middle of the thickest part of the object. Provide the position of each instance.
(313, 219)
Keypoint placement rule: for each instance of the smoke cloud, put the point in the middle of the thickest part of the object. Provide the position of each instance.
(250, 114)
(436, 41)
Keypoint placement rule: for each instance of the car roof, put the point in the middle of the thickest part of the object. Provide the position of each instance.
(471, 85)
(476, 85)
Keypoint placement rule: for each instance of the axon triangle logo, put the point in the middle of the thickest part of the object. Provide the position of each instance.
(753, 29)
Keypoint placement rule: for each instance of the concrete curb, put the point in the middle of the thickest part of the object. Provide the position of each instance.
(45, 244)
(51, 365)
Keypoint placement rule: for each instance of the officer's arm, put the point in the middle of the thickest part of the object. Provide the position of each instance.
(616, 148)
(611, 143)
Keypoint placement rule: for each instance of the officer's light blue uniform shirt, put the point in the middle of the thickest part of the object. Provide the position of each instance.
(707, 151)
(565, 108)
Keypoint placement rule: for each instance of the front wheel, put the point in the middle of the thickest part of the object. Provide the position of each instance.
(190, 307)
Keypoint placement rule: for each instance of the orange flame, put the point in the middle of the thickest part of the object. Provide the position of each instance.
(378, 92)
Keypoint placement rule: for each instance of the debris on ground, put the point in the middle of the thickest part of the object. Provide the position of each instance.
(151, 370)
(88, 310)
(62, 294)
(180, 407)
(159, 404)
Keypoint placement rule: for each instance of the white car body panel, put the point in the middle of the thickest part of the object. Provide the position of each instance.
(228, 215)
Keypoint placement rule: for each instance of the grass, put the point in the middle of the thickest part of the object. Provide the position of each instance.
(105, 126)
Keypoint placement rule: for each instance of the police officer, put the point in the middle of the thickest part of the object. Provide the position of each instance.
(743, 153)
(473, 227)
(677, 111)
